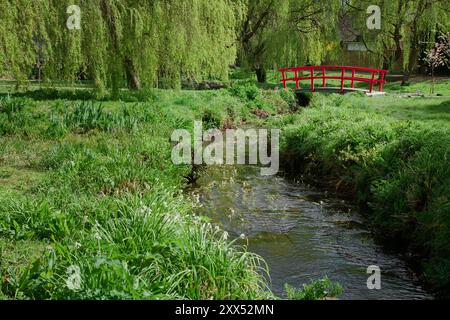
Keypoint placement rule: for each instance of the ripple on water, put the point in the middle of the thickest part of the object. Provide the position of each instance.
(301, 233)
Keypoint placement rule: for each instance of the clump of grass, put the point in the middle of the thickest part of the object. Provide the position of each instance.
(317, 290)
(32, 220)
(89, 116)
(10, 105)
(138, 251)
(16, 118)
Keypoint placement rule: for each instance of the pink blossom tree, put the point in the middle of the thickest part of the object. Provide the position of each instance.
(438, 56)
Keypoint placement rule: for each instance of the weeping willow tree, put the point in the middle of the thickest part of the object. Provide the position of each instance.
(408, 28)
(295, 32)
(309, 35)
(121, 42)
(287, 32)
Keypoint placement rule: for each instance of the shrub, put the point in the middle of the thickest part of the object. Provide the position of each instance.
(10, 105)
(317, 290)
(89, 115)
(289, 96)
(211, 119)
(246, 91)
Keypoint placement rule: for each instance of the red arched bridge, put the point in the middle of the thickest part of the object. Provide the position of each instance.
(372, 77)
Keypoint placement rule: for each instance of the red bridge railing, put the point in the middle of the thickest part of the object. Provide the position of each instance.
(374, 77)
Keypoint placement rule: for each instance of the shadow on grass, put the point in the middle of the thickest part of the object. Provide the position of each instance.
(439, 111)
(54, 94)
(443, 107)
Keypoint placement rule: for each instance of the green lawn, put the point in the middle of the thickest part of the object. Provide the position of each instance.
(433, 110)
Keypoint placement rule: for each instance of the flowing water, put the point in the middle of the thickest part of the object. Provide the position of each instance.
(301, 233)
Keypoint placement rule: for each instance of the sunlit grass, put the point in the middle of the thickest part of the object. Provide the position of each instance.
(92, 185)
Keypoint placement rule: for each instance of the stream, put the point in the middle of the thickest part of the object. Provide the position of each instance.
(301, 232)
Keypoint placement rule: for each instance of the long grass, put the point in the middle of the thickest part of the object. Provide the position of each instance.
(89, 188)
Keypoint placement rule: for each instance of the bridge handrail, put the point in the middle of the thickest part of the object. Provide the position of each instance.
(343, 77)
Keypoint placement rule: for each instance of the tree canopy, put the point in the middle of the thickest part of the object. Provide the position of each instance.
(157, 43)
(150, 43)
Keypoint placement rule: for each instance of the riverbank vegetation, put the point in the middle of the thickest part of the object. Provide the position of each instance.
(92, 207)
(77, 174)
(391, 154)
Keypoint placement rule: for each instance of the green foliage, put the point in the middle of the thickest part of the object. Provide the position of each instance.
(407, 28)
(263, 103)
(245, 90)
(211, 119)
(143, 44)
(317, 290)
(10, 105)
(14, 118)
(88, 116)
(284, 33)
(121, 42)
(289, 97)
(140, 253)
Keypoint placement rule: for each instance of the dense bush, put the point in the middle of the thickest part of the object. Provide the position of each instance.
(245, 90)
(289, 96)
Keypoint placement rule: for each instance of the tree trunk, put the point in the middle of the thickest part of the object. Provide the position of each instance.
(386, 64)
(433, 83)
(134, 83)
(116, 63)
(397, 35)
(413, 56)
(261, 74)
(414, 43)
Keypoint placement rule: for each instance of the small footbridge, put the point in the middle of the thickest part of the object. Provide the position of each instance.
(341, 79)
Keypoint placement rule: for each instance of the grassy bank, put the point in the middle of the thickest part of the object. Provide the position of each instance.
(89, 186)
(392, 155)
(90, 189)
